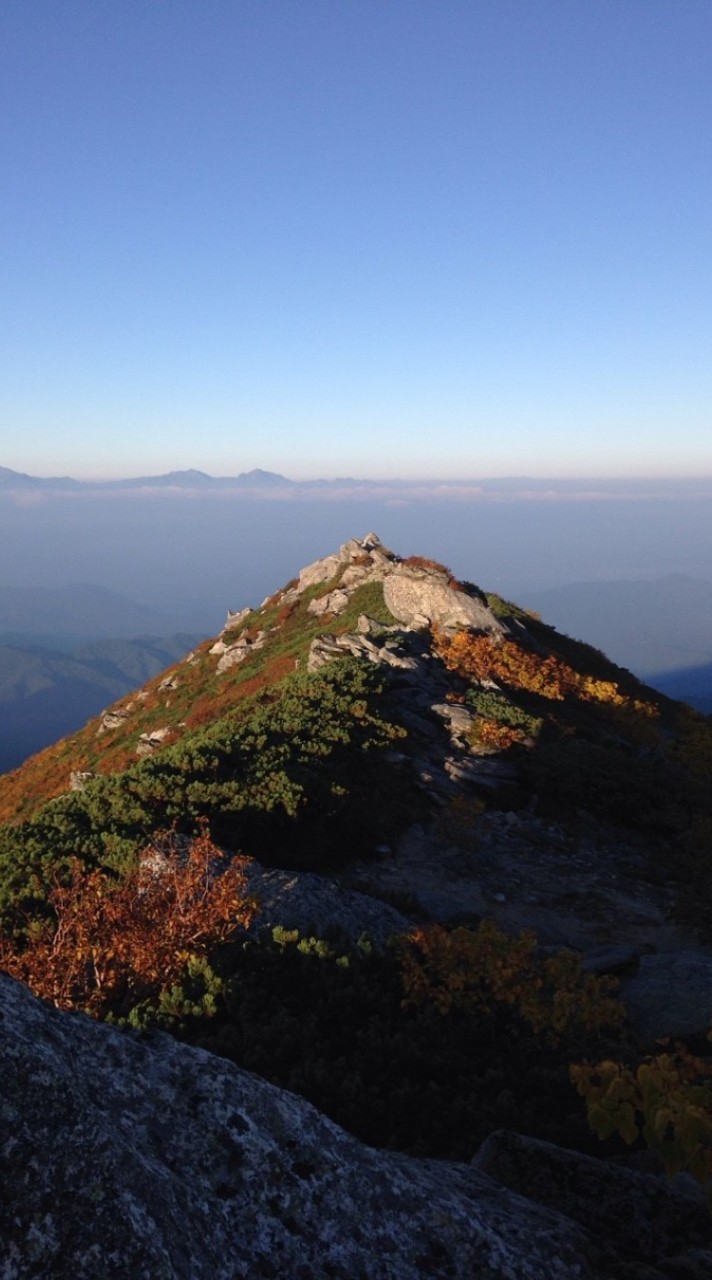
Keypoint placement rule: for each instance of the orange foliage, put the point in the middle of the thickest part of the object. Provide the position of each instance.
(480, 969)
(482, 657)
(285, 612)
(207, 709)
(496, 736)
(434, 566)
(116, 944)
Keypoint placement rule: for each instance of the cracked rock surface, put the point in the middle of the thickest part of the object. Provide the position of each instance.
(125, 1156)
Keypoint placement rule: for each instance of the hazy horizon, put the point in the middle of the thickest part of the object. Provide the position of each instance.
(664, 482)
(370, 474)
(226, 548)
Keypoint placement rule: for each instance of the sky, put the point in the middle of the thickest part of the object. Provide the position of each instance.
(373, 238)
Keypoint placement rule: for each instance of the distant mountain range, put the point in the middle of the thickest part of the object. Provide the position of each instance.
(497, 488)
(191, 479)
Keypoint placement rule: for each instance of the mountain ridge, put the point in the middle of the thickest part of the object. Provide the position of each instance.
(406, 775)
(186, 479)
(633, 486)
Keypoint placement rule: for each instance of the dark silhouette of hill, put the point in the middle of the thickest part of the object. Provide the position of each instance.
(45, 695)
(660, 629)
(65, 615)
(690, 684)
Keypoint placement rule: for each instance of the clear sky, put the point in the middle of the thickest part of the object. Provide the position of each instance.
(369, 237)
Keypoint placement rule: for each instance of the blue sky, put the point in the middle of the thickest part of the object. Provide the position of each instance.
(371, 237)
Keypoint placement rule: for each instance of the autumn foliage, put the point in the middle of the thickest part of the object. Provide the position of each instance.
(478, 970)
(666, 1100)
(484, 658)
(113, 944)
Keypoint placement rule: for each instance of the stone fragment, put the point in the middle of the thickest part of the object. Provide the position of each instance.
(79, 778)
(113, 719)
(231, 658)
(235, 619)
(459, 720)
(333, 602)
(150, 742)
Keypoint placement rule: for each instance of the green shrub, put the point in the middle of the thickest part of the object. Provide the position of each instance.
(497, 707)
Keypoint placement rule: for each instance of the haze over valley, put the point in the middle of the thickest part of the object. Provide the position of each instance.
(624, 565)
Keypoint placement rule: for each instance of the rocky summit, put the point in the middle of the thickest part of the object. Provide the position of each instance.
(398, 902)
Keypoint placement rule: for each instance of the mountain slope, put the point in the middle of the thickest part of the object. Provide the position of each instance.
(221, 1176)
(388, 750)
(59, 617)
(45, 694)
(560, 720)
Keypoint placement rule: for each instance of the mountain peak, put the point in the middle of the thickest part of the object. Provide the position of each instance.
(378, 749)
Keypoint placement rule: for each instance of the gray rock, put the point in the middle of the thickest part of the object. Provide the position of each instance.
(232, 657)
(315, 905)
(235, 619)
(670, 995)
(150, 742)
(419, 597)
(459, 720)
(320, 571)
(333, 602)
(113, 720)
(326, 648)
(237, 652)
(625, 1210)
(125, 1156)
(79, 778)
(372, 542)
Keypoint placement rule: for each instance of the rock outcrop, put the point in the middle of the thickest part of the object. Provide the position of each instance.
(670, 994)
(629, 1210)
(418, 594)
(125, 1156)
(316, 904)
(421, 598)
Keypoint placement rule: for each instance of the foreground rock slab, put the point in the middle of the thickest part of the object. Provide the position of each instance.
(125, 1156)
(633, 1213)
